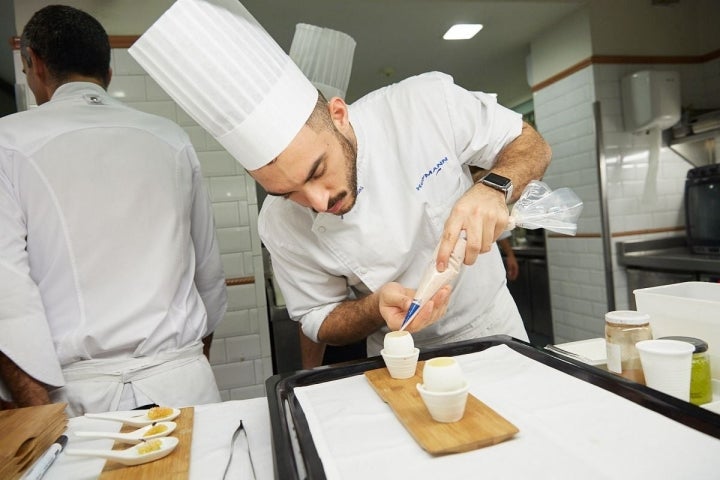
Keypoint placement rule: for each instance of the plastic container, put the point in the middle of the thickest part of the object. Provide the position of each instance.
(688, 309)
(701, 389)
(623, 329)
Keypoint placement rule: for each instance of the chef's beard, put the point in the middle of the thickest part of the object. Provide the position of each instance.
(350, 153)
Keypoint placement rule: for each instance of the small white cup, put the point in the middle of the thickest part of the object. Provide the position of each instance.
(442, 374)
(445, 407)
(667, 366)
(401, 366)
(398, 343)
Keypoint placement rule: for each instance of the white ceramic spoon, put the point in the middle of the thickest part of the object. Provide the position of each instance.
(133, 417)
(129, 456)
(135, 436)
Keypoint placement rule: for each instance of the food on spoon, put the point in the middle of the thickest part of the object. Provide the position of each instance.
(154, 430)
(159, 412)
(149, 446)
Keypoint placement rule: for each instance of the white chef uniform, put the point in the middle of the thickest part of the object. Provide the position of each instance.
(415, 140)
(125, 260)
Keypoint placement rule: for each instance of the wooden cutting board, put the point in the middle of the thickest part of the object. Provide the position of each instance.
(480, 426)
(175, 466)
(26, 434)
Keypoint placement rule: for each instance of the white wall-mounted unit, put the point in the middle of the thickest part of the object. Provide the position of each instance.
(651, 99)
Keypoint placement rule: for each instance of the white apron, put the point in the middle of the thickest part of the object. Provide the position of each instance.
(171, 378)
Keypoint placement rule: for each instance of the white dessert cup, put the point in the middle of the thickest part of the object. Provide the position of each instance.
(401, 366)
(445, 407)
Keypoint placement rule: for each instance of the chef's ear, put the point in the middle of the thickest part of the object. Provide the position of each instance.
(338, 112)
(28, 54)
(37, 64)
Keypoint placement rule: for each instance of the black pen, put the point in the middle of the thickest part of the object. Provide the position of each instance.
(42, 464)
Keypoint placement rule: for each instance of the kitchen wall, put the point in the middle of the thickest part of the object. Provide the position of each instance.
(645, 198)
(240, 353)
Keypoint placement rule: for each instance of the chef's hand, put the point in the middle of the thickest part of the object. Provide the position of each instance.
(483, 214)
(395, 301)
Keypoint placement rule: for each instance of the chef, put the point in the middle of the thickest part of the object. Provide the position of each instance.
(110, 275)
(362, 193)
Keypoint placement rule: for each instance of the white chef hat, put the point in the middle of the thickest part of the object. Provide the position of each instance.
(219, 64)
(325, 57)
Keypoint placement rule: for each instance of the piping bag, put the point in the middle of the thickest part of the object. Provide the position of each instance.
(537, 207)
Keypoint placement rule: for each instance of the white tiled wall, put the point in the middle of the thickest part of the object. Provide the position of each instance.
(641, 194)
(240, 353)
(564, 116)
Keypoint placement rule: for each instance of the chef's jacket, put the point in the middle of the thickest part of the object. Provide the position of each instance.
(415, 140)
(106, 234)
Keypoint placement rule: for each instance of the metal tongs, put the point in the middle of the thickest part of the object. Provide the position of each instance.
(240, 428)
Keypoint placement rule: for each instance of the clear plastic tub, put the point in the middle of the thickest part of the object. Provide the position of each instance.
(690, 309)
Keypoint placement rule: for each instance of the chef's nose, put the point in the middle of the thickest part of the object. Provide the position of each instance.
(316, 197)
(313, 197)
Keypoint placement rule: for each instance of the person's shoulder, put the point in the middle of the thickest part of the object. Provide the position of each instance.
(423, 83)
(426, 80)
(159, 126)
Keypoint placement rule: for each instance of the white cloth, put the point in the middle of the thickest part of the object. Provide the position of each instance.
(415, 140)
(568, 429)
(104, 212)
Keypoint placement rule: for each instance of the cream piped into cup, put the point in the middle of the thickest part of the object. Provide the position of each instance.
(398, 343)
(442, 374)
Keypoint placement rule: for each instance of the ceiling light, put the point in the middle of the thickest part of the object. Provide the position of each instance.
(462, 31)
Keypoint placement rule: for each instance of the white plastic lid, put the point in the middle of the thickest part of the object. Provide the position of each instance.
(627, 317)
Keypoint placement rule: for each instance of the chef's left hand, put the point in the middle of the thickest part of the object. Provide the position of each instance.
(483, 214)
(395, 301)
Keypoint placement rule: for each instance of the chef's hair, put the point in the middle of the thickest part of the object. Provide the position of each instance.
(320, 118)
(69, 41)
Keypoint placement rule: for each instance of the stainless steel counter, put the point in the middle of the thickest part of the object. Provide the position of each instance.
(667, 254)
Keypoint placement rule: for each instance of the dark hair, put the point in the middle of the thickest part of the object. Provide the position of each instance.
(69, 41)
(320, 116)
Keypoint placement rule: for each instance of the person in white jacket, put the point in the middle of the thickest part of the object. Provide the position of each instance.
(110, 276)
(360, 194)
(365, 192)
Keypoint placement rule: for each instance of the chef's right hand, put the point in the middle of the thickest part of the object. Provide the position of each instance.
(395, 300)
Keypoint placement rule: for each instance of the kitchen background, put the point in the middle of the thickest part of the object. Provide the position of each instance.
(560, 61)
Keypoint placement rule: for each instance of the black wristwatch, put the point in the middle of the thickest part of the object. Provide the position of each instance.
(498, 182)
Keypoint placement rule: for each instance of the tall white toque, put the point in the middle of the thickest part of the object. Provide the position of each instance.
(219, 64)
(325, 56)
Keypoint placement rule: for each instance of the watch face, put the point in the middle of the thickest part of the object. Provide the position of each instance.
(498, 180)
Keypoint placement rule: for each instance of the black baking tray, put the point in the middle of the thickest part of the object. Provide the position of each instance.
(285, 408)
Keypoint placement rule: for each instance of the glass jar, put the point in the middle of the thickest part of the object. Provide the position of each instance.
(700, 376)
(623, 329)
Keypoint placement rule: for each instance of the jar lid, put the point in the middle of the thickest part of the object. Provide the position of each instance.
(627, 317)
(700, 345)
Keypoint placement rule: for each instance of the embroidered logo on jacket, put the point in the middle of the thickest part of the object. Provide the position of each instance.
(433, 171)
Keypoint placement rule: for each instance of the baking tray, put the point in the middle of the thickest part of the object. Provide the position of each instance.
(294, 451)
